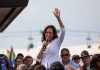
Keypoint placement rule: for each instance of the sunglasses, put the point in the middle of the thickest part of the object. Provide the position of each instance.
(64, 55)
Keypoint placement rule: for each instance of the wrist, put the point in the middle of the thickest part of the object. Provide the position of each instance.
(58, 17)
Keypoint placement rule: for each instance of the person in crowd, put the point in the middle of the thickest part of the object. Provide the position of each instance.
(36, 63)
(86, 60)
(22, 67)
(20, 55)
(29, 61)
(51, 42)
(39, 67)
(18, 61)
(76, 59)
(57, 66)
(95, 62)
(65, 56)
(4, 62)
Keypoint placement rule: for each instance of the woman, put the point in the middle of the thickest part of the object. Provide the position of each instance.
(51, 42)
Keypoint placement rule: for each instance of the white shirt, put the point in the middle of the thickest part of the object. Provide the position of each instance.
(52, 50)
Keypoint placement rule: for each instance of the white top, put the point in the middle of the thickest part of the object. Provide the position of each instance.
(52, 50)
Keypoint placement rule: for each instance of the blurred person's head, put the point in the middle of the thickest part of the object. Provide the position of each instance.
(22, 67)
(57, 66)
(85, 57)
(39, 67)
(20, 55)
(28, 61)
(18, 61)
(65, 55)
(76, 58)
(95, 62)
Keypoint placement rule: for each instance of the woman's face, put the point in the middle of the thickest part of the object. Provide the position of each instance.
(49, 34)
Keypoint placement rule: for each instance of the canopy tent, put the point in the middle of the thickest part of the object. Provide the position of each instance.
(9, 10)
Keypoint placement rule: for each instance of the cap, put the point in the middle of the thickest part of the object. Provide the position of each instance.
(75, 57)
(84, 53)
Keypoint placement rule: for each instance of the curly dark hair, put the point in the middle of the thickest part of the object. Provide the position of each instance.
(54, 32)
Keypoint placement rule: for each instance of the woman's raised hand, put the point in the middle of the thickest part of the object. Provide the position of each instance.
(57, 13)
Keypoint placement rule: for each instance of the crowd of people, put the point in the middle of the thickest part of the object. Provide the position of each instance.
(48, 57)
(83, 62)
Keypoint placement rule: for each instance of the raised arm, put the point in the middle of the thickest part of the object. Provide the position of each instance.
(57, 15)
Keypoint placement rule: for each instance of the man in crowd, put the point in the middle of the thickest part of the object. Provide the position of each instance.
(86, 60)
(65, 56)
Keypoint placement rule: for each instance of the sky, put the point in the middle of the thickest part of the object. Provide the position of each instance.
(80, 17)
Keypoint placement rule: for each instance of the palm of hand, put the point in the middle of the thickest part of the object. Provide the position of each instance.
(57, 12)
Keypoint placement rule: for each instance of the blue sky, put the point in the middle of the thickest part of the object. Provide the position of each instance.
(80, 17)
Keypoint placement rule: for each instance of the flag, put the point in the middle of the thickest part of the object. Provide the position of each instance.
(12, 57)
(8, 54)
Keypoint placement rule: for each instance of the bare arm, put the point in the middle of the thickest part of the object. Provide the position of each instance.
(57, 15)
(40, 54)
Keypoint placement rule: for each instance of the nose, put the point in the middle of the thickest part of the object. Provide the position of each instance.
(48, 33)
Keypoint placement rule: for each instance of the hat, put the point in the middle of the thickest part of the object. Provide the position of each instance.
(75, 56)
(84, 53)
